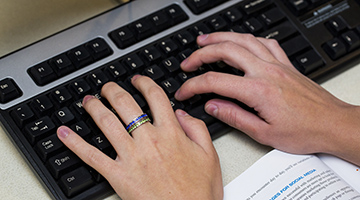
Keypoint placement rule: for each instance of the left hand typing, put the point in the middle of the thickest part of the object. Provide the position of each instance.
(171, 158)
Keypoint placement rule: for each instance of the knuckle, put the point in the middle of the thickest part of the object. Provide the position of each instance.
(248, 37)
(107, 120)
(273, 43)
(154, 91)
(225, 45)
(121, 97)
(210, 77)
(199, 122)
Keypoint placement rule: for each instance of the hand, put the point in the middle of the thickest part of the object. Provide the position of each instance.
(294, 114)
(172, 158)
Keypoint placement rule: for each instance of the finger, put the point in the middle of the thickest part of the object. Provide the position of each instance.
(108, 123)
(123, 103)
(229, 52)
(275, 49)
(241, 88)
(247, 41)
(237, 117)
(195, 129)
(156, 98)
(86, 152)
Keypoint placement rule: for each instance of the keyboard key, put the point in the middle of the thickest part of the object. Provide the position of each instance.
(42, 74)
(250, 7)
(80, 88)
(49, 146)
(184, 54)
(160, 20)
(63, 116)
(218, 23)
(101, 142)
(184, 76)
(253, 25)
(170, 86)
(154, 72)
(176, 14)
(8, 90)
(168, 46)
(272, 16)
(115, 70)
(80, 57)
(79, 109)
(176, 104)
(42, 105)
(199, 112)
(62, 65)
(309, 61)
(171, 65)
(151, 54)
(185, 38)
(336, 25)
(299, 5)
(280, 31)
(351, 39)
(76, 181)
(123, 37)
(200, 29)
(294, 45)
(200, 6)
(134, 62)
(335, 48)
(142, 28)
(22, 115)
(233, 15)
(197, 6)
(39, 129)
(61, 96)
(98, 48)
(61, 163)
(81, 128)
(97, 79)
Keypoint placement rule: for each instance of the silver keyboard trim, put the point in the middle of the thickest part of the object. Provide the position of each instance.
(20, 61)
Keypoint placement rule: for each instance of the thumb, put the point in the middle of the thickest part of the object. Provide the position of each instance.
(195, 129)
(235, 116)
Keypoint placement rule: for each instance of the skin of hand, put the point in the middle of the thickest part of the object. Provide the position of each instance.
(171, 158)
(292, 113)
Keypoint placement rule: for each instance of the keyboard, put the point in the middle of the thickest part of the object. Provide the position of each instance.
(42, 85)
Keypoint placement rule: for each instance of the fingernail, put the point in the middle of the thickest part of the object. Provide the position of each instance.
(135, 77)
(203, 37)
(183, 63)
(87, 98)
(63, 132)
(212, 109)
(176, 94)
(181, 112)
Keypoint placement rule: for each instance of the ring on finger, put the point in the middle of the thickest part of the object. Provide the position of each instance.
(137, 122)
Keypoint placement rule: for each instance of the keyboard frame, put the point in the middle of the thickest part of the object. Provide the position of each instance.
(100, 26)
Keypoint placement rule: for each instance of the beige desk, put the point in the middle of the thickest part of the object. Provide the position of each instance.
(236, 151)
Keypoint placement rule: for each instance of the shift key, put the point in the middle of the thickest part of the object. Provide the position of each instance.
(62, 163)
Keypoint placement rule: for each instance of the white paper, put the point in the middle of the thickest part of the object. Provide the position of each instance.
(283, 176)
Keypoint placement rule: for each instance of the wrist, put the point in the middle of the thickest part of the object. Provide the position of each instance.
(344, 134)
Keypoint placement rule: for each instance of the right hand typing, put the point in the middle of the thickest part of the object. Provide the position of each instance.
(294, 114)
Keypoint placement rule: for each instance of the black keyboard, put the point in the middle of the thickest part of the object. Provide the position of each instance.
(47, 80)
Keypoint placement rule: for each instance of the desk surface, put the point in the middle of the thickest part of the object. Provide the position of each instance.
(237, 152)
